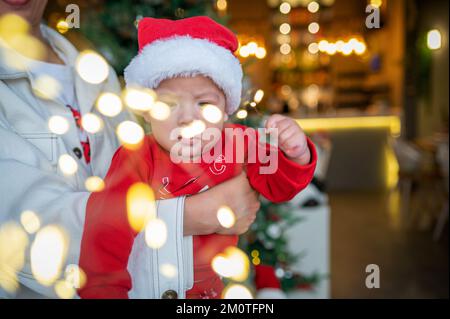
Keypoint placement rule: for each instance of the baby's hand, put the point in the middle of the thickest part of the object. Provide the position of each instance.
(291, 138)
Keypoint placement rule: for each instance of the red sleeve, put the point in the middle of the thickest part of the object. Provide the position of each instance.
(286, 181)
(107, 236)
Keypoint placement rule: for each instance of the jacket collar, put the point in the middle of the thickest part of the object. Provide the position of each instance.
(87, 93)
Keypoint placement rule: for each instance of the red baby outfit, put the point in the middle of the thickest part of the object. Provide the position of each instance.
(108, 238)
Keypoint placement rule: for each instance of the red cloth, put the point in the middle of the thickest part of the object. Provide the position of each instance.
(151, 29)
(108, 238)
(265, 277)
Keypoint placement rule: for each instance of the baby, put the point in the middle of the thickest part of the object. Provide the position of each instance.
(190, 65)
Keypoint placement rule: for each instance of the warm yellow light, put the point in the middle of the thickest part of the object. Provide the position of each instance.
(212, 113)
(160, 111)
(313, 27)
(13, 243)
(285, 49)
(313, 48)
(62, 26)
(244, 51)
(252, 47)
(14, 34)
(64, 290)
(376, 3)
(226, 217)
(91, 123)
(232, 263)
(285, 8)
(261, 53)
(130, 134)
(47, 87)
(155, 233)
(168, 270)
(48, 253)
(139, 100)
(140, 206)
(323, 45)
(194, 128)
(30, 221)
(331, 49)
(392, 123)
(340, 45)
(221, 5)
(392, 168)
(75, 276)
(434, 40)
(92, 67)
(360, 48)
(236, 291)
(347, 49)
(285, 28)
(283, 38)
(109, 104)
(259, 95)
(313, 7)
(242, 114)
(94, 184)
(67, 164)
(58, 125)
(12, 25)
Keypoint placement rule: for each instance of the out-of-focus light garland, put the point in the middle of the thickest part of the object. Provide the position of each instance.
(130, 134)
(252, 49)
(109, 104)
(352, 46)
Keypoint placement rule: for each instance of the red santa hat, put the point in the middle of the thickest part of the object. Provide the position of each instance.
(268, 286)
(183, 48)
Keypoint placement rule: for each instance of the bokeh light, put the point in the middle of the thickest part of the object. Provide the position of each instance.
(259, 95)
(92, 67)
(168, 270)
(160, 111)
(155, 233)
(30, 221)
(226, 217)
(58, 125)
(232, 263)
(236, 291)
(67, 164)
(13, 244)
(94, 184)
(139, 100)
(91, 123)
(140, 206)
(130, 134)
(212, 113)
(48, 253)
(47, 87)
(109, 104)
(194, 128)
(241, 114)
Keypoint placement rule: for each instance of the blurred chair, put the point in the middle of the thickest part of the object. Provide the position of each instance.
(442, 159)
(409, 159)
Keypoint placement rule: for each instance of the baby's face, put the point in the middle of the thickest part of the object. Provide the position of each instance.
(186, 98)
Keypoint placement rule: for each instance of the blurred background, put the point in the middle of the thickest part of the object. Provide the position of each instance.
(370, 86)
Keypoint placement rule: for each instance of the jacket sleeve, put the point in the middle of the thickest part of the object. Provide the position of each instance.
(285, 179)
(108, 237)
(29, 182)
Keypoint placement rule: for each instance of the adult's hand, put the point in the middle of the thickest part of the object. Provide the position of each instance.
(200, 210)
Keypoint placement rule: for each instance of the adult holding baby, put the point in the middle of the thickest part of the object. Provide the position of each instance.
(32, 180)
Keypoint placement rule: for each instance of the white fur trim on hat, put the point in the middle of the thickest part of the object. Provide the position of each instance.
(183, 56)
